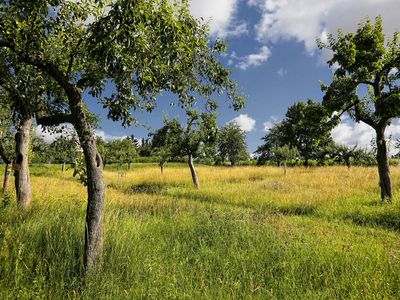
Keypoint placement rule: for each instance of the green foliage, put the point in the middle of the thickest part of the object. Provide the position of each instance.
(232, 144)
(121, 151)
(65, 149)
(41, 152)
(306, 127)
(285, 153)
(80, 171)
(363, 59)
(197, 139)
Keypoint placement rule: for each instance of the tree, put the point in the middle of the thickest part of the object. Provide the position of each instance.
(65, 149)
(273, 139)
(192, 141)
(284, 154)
(306, 127)
(165, 141)
(41, 151)
(344, 153)
(364, 60)
(142, 47)
(232, 143)
(122, 151)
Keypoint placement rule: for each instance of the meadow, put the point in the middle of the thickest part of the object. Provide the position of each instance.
(248, 232)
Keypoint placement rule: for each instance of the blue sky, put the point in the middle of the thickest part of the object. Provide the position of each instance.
(273, 55)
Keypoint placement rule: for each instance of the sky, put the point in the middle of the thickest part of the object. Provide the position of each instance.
(274, 57)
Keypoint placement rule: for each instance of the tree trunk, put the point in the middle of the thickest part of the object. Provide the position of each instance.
(63, 167)
(162, 167)
(348, 164)
(22, 180)
(306, 164)
(193, 171)
(383, 165)
(284, 167)
(7, 176)
(95, 187)
(129, 165)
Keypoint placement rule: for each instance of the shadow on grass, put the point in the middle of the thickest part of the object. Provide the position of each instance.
(389, 218)
(299, 209)
(152, 188)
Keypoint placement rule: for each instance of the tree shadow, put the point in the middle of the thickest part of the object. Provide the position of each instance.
(388, 219)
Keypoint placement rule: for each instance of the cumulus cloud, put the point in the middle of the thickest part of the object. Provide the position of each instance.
(306, 20)
(108, 137)
(361, 134)
(245, 122)
(253, 60)
(220, 14)
(49, 136)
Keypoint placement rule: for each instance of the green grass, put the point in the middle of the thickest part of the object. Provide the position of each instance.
(247, 233)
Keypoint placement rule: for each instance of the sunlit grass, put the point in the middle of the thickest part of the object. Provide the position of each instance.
(249, 232)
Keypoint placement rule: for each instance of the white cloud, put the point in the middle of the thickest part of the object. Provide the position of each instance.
(254, 60)
(220, 14)
(361, 134)
(306, 20)
(108, 137)
(268, 125)
(68, 129)
(245, 122)
(50, 136)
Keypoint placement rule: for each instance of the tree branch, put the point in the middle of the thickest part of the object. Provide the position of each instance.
(52, 120)
(362, 117)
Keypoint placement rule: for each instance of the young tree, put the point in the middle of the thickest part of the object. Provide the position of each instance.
(143, 47)
(363, 59)
(232, 143)
(284, 154)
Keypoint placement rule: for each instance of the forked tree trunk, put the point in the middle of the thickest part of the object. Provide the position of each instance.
(22, 179)
(95, 187)
(383, 165)
(7, 176)
(193, 171)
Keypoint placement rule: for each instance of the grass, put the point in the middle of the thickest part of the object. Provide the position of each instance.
(249, 232)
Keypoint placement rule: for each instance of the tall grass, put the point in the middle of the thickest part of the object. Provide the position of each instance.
(249, 232)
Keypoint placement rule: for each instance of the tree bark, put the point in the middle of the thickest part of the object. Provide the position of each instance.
(95, 186)
(7, 176)
(383, 165)
(63, 167)
(193, 171)
(22, 178)
(348, 164)
(162, 167)
(284, 167)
